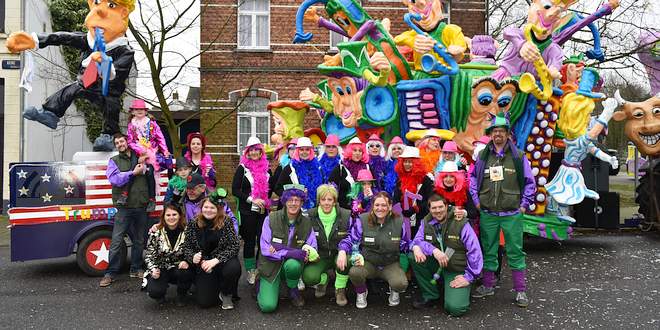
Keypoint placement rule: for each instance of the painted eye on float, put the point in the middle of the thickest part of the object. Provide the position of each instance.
(504, 99)
(97, 2)
(639, 113)
(112, 5)
(655, 111)
(343, 21)
(348, 90)
(546, 4)
(484, 96)
(339, 91)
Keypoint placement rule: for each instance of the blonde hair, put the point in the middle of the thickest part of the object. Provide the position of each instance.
(574, 116)
(326, 189)
(129, 4)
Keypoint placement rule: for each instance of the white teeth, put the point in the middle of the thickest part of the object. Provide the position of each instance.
(650, 139)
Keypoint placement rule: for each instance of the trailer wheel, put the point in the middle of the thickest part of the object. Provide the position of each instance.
(93, 254)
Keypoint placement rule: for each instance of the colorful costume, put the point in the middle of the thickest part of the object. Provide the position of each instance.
(344, 176)
(205, 167)
(467, 260)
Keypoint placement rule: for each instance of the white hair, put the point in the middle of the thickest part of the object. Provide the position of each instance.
(382, 147)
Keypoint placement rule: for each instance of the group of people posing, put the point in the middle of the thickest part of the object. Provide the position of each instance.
(357, 213)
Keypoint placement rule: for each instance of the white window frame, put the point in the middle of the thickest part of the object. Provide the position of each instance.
(253, 121)
(253, 34)
(332, 47)
(446, 4)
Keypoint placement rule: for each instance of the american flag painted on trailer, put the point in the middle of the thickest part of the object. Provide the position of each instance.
(65, 191)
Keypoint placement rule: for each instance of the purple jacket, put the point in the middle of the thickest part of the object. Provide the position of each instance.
(512, 64)
(477, 176)
(267, 235)
(355, 237)
(475, 259)
(194, 208)
(117, 178)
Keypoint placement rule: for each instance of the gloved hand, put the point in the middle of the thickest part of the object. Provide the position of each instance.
(312, 254)
(609, 106)
(614, 162)
(296, 254)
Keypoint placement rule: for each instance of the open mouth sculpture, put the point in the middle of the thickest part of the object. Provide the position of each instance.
(650, 140)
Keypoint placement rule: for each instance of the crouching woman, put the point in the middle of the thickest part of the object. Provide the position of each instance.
(165, 259)
(211, 246)
(382, 237)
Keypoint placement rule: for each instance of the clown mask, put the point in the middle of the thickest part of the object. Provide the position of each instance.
(431, 11)
(547, 14)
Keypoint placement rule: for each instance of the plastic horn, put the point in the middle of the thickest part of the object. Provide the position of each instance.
(302, 36)
(429, 62)
(527, 81)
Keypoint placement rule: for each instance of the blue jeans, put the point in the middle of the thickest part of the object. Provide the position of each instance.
(132, 222)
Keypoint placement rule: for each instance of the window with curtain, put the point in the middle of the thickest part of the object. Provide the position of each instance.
(254, 24)
(253, 120)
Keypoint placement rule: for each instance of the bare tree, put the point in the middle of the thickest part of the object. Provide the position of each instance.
(171, 58)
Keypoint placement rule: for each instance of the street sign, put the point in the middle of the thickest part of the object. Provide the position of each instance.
(11, 64)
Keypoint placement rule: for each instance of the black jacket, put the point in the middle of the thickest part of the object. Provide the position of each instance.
(241, 188)
(122, 58)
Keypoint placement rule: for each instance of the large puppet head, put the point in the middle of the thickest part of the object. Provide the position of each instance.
(109, 15)
(431, 11)
(288, 118)
(491, 97)
(547, 14)
(642, 124)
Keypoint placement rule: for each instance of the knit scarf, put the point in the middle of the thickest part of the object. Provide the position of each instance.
(327, 165)
(309, 176)
(354, 167)
(327, 220)
(259, 171)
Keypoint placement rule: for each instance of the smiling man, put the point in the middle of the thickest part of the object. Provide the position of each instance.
(111, 17)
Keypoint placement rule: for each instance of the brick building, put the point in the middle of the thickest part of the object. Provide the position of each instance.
(251, 59)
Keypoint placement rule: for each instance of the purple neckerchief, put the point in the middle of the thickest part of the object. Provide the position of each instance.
(473, 253)
(477, 177)
(355, 237)
(512, 64)
(330, 25)
(279, 254)
(115, 176)
(563, 36)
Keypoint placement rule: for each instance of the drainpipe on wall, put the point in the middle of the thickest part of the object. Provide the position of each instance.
(21, 102)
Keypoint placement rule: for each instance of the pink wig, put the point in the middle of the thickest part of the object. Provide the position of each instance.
(460, 179)
(348, 152)
(296, 154)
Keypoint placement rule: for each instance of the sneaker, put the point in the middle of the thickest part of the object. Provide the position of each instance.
(483, 291)
(42, 116)
(424, 303)
(521, 299)
(361, 300)
(301, 285)
(151, 206)
(320, 290)
(121, 200)
(394, 298)
(227, 303)
(105, 281)
(138, 274)
(340, 297)
(296, 298)
(252, 276)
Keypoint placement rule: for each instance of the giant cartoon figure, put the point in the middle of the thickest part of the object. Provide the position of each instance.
(643, 129)
(288, 119)
(427, 30)
(568, 186)
(103, 84)
(489, 97)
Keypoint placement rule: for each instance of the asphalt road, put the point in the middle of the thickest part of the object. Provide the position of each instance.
(592, 281)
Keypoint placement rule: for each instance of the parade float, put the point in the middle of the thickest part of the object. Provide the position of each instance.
(421, 81)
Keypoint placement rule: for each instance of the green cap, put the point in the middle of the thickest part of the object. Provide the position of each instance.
(500, 120)
(354, 60)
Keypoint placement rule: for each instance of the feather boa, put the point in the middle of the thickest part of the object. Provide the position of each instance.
(456, 197)
(390, 177)
(285, 160)
(259, 171)
(429, 158)
(409, 180)
(354, 167)
(206, 165)
(328, 164)
(309, 176)
(378, 166)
